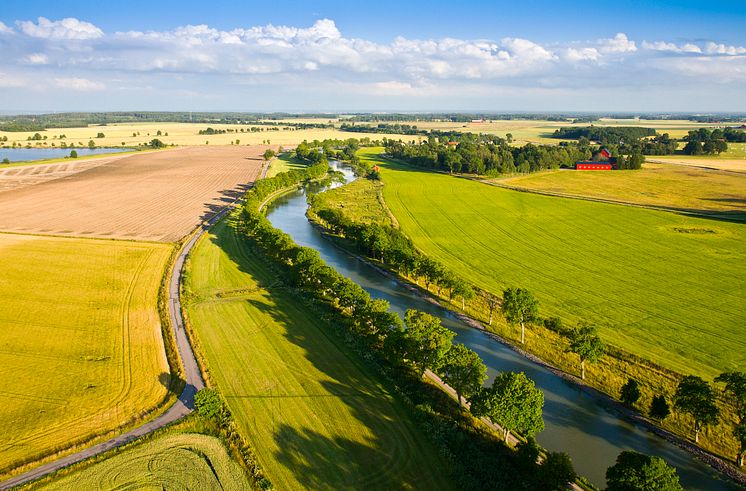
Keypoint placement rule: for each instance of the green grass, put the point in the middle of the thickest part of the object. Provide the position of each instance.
(674, 186)
(175, 461)
(317, 416)
(81, 351)
(359, 200)
(285, 162)
(661, 285)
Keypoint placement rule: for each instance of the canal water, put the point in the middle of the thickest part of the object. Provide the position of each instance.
(576, 423)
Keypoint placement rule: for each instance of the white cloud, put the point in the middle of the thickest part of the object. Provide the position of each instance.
(618, 44)
(5, 29)
(68, 28)
(672, 47)
(80, 84)
(200, 59)
(36, 59)
(722, 49)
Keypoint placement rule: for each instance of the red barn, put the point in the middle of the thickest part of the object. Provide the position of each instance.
(590, 165)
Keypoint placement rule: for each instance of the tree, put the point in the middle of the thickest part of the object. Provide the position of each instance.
(73, 154)
(156, 143)
(91, 144)
(585, 342)
(158, 133)
(6, 160)
(209, 405)
(637, 472)
(100, 135)
(659, 408)
(512, 402)
(630, 392)
(268, 154)
(695, 397)
(492, 303)
(426, 341)
(463, 370)
(735, 388)
(556, 471)
(519, 307)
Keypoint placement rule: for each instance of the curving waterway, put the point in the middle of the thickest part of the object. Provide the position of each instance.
(577, 423)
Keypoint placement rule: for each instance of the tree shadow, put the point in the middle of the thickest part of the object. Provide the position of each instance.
(224, 198)
(371, 440)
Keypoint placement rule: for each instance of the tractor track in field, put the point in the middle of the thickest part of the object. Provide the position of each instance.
(192, 374)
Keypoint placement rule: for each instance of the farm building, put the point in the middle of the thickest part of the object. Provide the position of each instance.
(592, 165)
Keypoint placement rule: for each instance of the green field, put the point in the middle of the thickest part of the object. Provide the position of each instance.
(285, 162)
(667, 287)
(674, 186)
(177, 461)
(360, 201)
(81, 350)
(317, 417)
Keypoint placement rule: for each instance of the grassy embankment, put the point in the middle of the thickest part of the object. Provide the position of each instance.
(82, 353)
(316, 415)
(285, 162)
(627, 270)
(677, 187)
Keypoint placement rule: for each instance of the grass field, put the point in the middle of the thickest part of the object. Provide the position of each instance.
(176, 461)
(81, 351)
(667, 287)
(283, 163)
(316, 415)
(686, 188)
(360, 200)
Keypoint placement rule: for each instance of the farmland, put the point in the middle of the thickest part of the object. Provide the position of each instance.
(662, 285)
(673, 186)
(176, 461)
(181, 134)
(315, 414)
(82, 352)
(157, 196)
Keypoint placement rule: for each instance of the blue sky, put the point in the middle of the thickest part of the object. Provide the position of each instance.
(314, 56)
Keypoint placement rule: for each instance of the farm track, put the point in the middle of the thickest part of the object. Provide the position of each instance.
(192, 374)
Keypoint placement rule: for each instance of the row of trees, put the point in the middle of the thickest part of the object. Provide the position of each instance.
(605, 135)
(486, 154)
(705, 142)
(417, 344)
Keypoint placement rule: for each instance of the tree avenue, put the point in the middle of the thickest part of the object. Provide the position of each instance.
(513, 402)
(735, 389)
(695, 397)
(463, 370)
(519, 307)
(585, 342)
(423, 341)
(637, 472)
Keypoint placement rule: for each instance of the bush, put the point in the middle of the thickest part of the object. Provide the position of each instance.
(73, 154)
(209, 405)
(630, 392)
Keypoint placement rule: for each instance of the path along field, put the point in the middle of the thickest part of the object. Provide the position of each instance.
(316, 416)
(667, 287)
(178, 461)
(664, 185)
(81, 351)
(157, 196)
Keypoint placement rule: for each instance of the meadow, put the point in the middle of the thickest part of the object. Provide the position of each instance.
(175, 461)
(316, 415)
(284, 162)
(664, 185)
(81, 347)
(664, 286)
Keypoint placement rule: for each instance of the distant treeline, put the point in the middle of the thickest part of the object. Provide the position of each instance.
(605, 134)
(707, 142)
(40, 122)
(486, 154)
